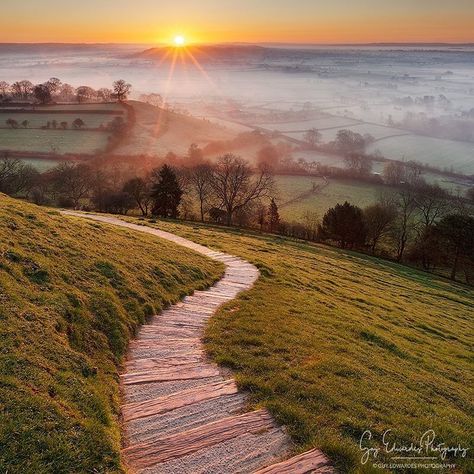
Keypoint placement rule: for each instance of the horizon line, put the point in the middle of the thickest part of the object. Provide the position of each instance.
(256, 43)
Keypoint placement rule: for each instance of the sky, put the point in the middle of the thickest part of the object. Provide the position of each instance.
(286, 21)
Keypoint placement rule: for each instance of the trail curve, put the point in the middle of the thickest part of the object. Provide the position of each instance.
(180, 413)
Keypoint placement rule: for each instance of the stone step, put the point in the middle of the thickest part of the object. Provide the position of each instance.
(313, 461)
(159, 405)
(163, 449)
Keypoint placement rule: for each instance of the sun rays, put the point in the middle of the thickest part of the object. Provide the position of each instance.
(179, 53)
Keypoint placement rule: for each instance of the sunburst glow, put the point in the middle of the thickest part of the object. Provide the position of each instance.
(179, 40)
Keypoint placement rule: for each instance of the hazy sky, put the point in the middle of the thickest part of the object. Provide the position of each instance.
(315, 21)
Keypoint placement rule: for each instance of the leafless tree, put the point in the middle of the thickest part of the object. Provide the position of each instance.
(104, 94)
(200, 178)
(312, 138)
(122, 89)
(85, 94)
(432, 203)
(4, 88)
(394, 173)
(72, 181)
(404, 225)
(235, 185)
(153, 99)
(53, 85)
(66, 93)
(358, 164)
(379, 218)
(139, 191)
(15, 176)
(22, 89)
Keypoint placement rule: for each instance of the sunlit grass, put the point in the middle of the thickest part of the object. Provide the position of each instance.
(72, 294)
(334, 343)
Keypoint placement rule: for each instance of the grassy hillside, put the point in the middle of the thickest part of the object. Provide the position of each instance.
(336, 343)
(159, 131)
(72, 293)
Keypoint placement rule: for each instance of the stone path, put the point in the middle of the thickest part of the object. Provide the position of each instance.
(181, 414)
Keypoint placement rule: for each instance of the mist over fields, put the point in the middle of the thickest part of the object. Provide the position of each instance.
(416, 101)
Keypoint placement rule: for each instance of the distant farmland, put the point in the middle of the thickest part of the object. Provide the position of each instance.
(52, 141)
(337, 191)
(432, 151)
(36, 137)
(38, 120)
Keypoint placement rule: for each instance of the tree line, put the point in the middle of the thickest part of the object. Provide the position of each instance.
(54, 90)
(115, 125)
(415, 223)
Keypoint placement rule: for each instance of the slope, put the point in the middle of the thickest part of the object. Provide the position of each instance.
(72, 295)
(335, 343)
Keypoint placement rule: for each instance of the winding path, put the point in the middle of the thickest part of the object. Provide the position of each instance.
(181, 413)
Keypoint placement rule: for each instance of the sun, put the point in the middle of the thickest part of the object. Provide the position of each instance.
(179, 40)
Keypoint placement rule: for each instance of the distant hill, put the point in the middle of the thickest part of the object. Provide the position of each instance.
(210, 53)
(244, 53)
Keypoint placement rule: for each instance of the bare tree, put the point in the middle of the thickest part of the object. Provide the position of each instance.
(200, 178)
(404, 224)
(72, 181)
(4, 88)
(358, 164)
(139, 191)
(273, 216)
(312, 138)
(104, 94)
(85, 94)
(67, 93)
(236, 186)
(53, 85)
(378, 218)
(394, 173)
(153, 99)
(22, 89)
(15, 176)
(42, 94)
(122, 89)
(432, 202)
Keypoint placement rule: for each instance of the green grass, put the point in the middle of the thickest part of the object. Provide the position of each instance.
(72, 294)
(335, 343)
(40, 120)
(53, 141)
(357, 192)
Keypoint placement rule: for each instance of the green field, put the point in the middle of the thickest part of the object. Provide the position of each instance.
(58, 141)
(431, 151)
(335, 343)
(72, 294)
(40, 120)
(52, 141)
(359, 193)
